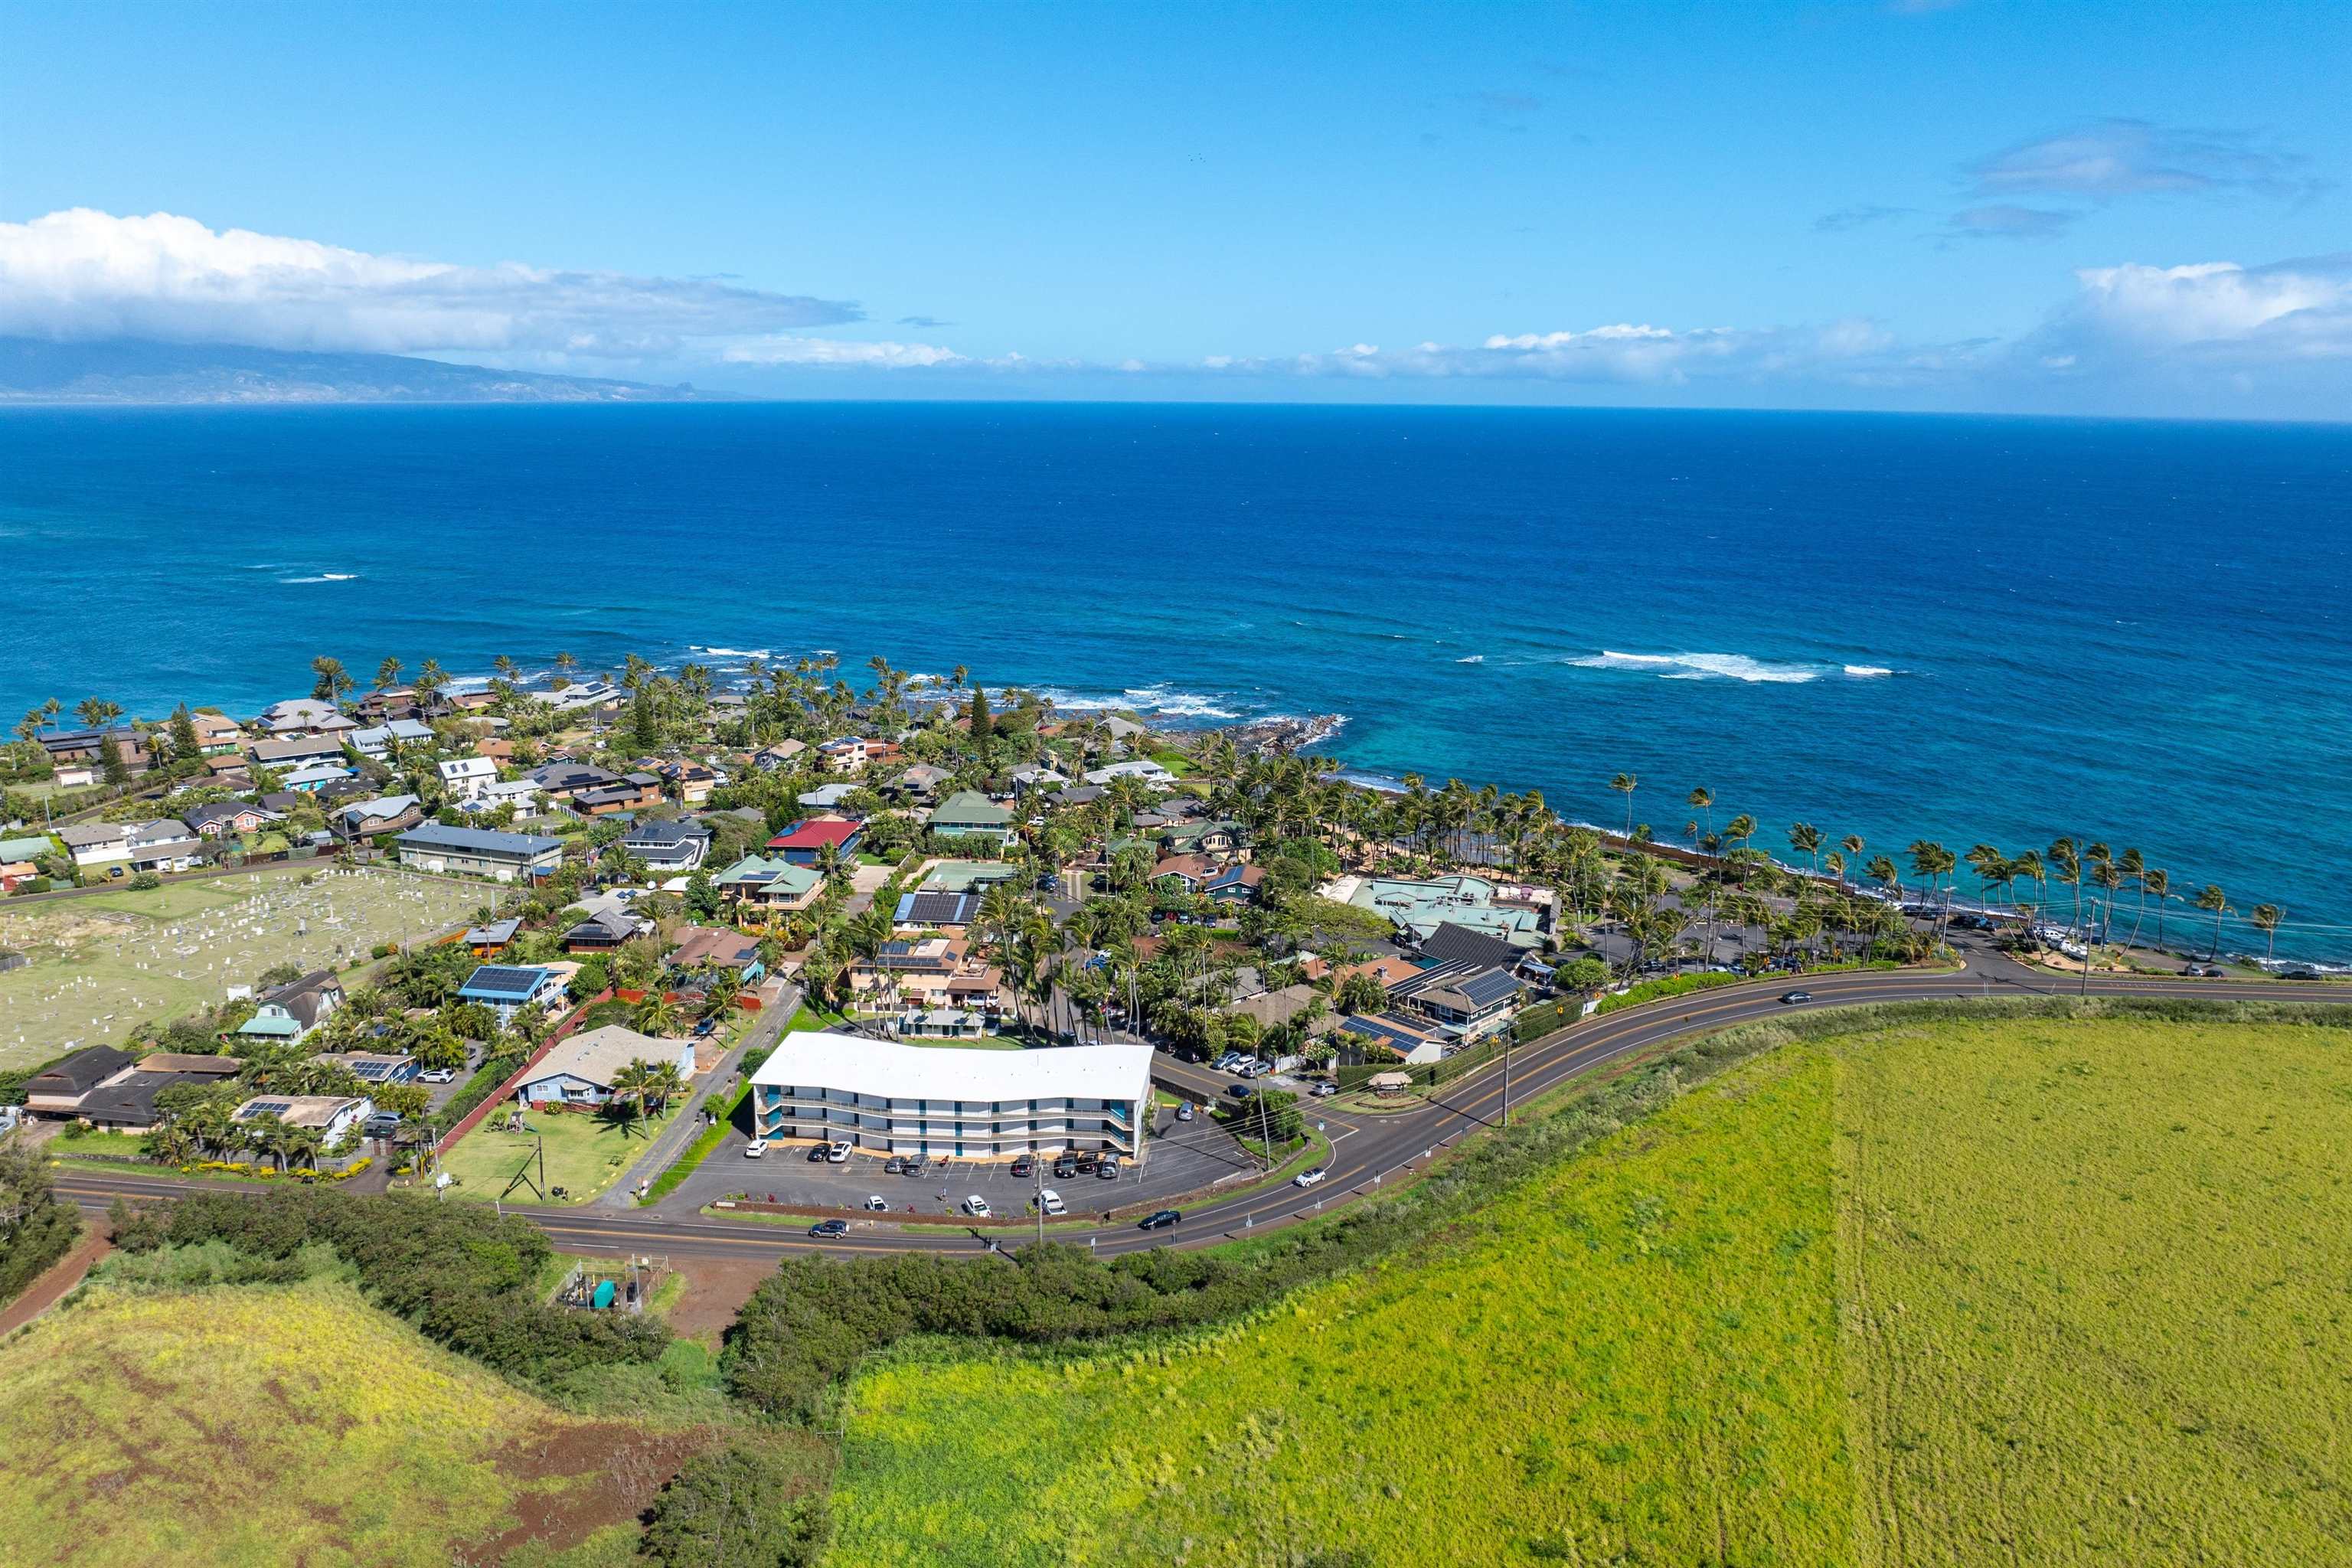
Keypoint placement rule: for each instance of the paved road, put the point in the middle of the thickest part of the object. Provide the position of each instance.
(1382, 1147)
(686, 1125)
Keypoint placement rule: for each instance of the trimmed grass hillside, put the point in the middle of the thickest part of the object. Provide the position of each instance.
(238, 1425)
(2037, 1290)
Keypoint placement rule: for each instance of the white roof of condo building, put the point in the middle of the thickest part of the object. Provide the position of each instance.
(851, 1062)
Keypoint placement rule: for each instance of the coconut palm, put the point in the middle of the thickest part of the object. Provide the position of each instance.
(332, 681)
(1853, 844)
(2266, 919)
(2218, 902)
(1702, 800)
(656, 1016)
(1625, 785)
(663, 1084)
(388, 672)
(1806, 840)
(2155, 882)
(633, 1084)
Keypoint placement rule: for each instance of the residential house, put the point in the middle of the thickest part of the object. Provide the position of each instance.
(479, 852)
(635, 793)
(922, 781)
(88, 746)
(583, 1068)
(968, 814)
(927, 971)
(229, 819)
(848, 753)
(605, 923)
(764, 886)
(465, 778)
(385, 813)
(825, 798)
(802, 842)
(692, 780)
(74, 776)
(497, 748)
(507, 989)
(97, 843)
(229, 770)
(1389, 1036)
(305, 716)
(573, 696)
(521, 794)
(1467, 1002)
(380, 740)
(1125, 732)
(31, 847)
(708, 948)
(779, 754)
(1142, 768)
(1418, 907)
(216, 734)
(1233, 884)
(329, 1115)
(315, 778)
(925, 909)
(1447, 942)
(1215, 839)
(667, 848)
(490, 941)
(373, 1068)
(1036, 776)
(967, 875)
(392, 702)
(295, 750)
(288, 1013)
(14, 873)
(161, 845)
(563, 780)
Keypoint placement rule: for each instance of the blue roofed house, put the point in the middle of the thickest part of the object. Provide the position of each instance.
(506, 989)
(583, 1069)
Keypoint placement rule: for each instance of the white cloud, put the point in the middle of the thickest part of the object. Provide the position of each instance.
(790, 349)
(83, 275)
(2109, 158)
(2292, 310)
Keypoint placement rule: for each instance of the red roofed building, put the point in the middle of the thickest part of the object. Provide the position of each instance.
(800, 843)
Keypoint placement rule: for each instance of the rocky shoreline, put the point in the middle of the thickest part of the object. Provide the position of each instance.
(1282, 733)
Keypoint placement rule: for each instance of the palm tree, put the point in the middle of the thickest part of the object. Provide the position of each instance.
(2214, 900)
(430, 679)
(631, 1086)
(2266, 918)
(2157, 882)
(1702, 800)
(565, 664)
(388, 672)
(656, 1014)
(663, 1084)
(301, 1145)
(1806, 840)
(1625, 785)
(1853, 844)
(333, 681)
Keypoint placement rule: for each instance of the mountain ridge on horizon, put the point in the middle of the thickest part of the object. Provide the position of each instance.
(147, 371)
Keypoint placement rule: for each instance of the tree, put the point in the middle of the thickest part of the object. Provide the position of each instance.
(387, 674)
(333, 680)
(656, 1016)
(36, 1230)
(429, 681)
(743, 1505)
(1806, 840)
(109, 761)
(184, 743)
(1625, 785)
(1581, 976)
(631, 1087)
(982, 725)
(1702, 800)
(2213, 899)
(702, 901)
(2266, 919)
(1360, 993)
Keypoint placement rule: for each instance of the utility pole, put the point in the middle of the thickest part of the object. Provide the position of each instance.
(1037, 1191)
(1508, 1034)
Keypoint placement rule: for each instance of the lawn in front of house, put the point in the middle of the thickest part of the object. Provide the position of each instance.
(585, 1155)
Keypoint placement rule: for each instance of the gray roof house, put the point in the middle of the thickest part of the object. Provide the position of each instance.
(671, 847)
(479, 852)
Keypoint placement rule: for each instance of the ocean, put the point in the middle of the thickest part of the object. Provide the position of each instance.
(1961, 628)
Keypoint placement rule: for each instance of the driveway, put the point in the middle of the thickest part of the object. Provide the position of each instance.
(718, 1084)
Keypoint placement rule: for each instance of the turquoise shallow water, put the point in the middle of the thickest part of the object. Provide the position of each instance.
(1963, 628)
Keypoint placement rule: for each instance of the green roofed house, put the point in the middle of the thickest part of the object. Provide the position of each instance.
(33, 848)
(770, 884)
(968, 814)
(967, 876)
(1470, 902)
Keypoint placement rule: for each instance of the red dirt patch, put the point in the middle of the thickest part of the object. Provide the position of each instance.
(61, 1277)
(575, 1481)
(716, 1289)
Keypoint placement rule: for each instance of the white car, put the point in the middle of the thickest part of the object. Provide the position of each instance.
(877, 1204)
(437, 1075)
(1313, 1178)
(755, 1147)
(976, 1206)
(838, 1155)
(1051, 1202)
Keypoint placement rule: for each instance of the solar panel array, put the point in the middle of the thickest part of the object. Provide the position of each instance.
(504, 979)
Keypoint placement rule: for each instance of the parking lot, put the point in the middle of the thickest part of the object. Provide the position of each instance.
(1181, 1157)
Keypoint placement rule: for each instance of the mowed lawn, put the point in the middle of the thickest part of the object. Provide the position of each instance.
(2067, 1291)
(255, 1425)
(104, 962)
(585, 1153)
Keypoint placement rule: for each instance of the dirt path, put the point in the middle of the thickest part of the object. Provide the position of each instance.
(62, 1276)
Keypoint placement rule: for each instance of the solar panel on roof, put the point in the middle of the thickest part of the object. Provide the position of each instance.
(504, 979)
(270, 1107)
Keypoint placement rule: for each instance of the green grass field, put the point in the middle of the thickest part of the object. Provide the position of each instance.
(104, 962)
(2024, 1291)
(257, 1425)
(585, 1155)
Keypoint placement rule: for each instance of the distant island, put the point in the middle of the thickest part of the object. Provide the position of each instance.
(141, 371)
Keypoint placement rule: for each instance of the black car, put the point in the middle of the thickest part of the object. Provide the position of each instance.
(1240, 1090)
(830, 1227)
(1789, 998)
(1160, 1220)
(1023, 1165)
(1065, 1169)
(816, 1154)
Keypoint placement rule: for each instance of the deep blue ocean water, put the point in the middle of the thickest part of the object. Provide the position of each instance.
(1964, 628)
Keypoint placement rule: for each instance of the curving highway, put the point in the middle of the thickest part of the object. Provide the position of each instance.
(1373, 1149)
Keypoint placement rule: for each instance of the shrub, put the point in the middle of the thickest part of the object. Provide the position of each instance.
(36, 1230)
(745, 1504)
(145, 881)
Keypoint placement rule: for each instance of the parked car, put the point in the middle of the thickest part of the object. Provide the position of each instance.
(976, 1206)
(1065, 1169)
(894, 1165)
(1313, 1178)
(1107, 1168)
(818, 1153)
(755, 1147)
(878, 1204)
(1240, 1090)
(1791, 998)
(1324, 1090)
(383, 1124)
(838, 1154)
(1184, 1111)
(916, 1164)
(437, 1075)
(830, 1227)
(1051, 1202)
(1159, 1220)
(1022, 1166)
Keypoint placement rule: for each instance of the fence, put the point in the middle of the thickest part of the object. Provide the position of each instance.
(515, 1079)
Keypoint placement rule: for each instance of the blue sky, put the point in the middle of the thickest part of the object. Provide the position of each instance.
(1972, 204)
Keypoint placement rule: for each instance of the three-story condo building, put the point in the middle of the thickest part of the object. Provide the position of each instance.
(940, 1100)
